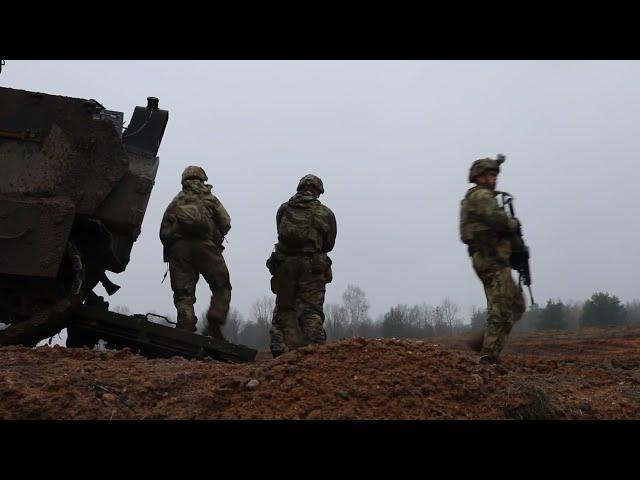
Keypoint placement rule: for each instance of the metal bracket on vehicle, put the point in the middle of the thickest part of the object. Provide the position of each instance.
(30, 135)
(19, 235)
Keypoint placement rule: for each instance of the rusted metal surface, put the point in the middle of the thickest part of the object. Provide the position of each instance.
(74, 189)
(33, 235)
(80, 156)
(139, 334)
(124, 209)
(42, 324)
(29, 135)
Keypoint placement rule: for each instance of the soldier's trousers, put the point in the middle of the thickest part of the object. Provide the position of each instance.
(188, 259)
(505, 303)
(299, 285)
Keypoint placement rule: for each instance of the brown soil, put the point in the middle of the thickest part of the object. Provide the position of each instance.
(588, 374)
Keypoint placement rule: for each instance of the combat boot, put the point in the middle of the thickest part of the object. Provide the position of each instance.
(488, 359)
(495, 362)
(277, 347)
(188, 324)
(215, 331)
(215, 315)
(186, 318)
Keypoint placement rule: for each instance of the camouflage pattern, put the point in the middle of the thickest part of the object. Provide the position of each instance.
(192, 253)
(488, 232)
(312, 180)
(484, 225)
(194, 172)
(482, 166)
(505, 303)
(300, 289)
(300, 272)
(194, 192)
(188, 259)
(278, 345)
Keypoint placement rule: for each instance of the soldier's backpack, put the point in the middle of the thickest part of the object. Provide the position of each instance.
(194, 219)
(299, 229)
(466, 229)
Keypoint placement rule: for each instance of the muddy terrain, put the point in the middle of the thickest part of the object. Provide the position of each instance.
(587, 374)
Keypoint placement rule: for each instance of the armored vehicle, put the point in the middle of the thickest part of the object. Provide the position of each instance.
(74, 189)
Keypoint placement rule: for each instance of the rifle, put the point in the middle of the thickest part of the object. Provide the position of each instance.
(520, 255)
(519, 259)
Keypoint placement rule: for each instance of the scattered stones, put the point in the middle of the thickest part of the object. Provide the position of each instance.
(342, 394)
(109, 398)
(332, 381)
(584, 406)
(500, 370)
(618, 364)
(233, 382)
(252, 384)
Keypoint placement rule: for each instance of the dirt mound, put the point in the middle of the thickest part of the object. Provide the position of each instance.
(348, 379)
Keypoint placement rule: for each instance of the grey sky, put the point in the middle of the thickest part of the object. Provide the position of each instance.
(392, 141)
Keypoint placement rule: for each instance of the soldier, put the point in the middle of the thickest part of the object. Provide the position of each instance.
(301, 267)
(488, 231)
(192, 231)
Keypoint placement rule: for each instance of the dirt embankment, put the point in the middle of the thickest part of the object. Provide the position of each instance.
(580, 375)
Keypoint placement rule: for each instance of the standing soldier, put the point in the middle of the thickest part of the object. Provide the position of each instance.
(301, 267)
(192, 231)
(489, 232)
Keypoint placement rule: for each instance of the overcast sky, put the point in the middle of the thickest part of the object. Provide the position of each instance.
(393, 142)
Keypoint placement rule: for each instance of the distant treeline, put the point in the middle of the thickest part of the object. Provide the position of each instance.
(351, 318)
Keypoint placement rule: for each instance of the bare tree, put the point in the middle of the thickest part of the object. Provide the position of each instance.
(450, 315)
(232, 326)
(255, 332)
(423, 320)
(478, 318)
(438, 323)
(335, 321)
(357, 307)
(262, 310)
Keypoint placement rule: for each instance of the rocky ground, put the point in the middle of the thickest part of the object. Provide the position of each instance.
(588, 374)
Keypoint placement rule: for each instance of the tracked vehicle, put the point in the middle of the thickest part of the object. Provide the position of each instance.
(74, 188)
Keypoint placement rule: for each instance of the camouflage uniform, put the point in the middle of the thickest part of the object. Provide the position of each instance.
(489, 232)
(193, 247)
(301, 269)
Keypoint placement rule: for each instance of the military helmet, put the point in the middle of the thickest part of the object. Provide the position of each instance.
(194, 172)
(312, 180)
(484, 165)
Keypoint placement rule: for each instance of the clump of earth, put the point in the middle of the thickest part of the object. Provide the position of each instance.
(587, 374)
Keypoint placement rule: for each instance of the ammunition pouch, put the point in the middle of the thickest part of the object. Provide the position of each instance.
(274, 262)
(328, 274)
(321, 263)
